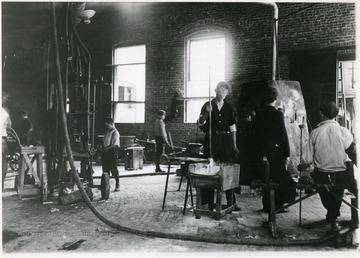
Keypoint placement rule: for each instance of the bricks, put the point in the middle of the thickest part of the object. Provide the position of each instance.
(163, 28)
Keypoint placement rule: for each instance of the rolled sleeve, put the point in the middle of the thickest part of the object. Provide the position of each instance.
(309, 152)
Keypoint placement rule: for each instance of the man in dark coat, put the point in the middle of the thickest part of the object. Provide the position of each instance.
(272, 142)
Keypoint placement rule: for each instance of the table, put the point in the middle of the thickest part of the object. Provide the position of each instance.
(187, 161)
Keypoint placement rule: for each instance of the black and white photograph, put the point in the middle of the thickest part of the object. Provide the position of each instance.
(179, 128)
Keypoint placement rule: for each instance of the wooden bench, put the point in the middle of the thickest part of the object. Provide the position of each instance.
(271, 186)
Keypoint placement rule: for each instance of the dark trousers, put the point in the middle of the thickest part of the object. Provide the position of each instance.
(276, 166)
(221, 150)
(159, 142)
(331, 198)
(109, 163)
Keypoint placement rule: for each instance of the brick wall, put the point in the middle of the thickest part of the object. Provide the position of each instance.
(163, 27)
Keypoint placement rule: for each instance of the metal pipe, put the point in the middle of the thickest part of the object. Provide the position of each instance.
(274, 24)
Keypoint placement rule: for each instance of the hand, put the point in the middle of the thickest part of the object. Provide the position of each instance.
(208, 108)
(303, 166)
(236, 151)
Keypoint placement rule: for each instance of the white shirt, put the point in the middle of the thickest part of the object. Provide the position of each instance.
(112, 137)
(326, 147)
(5, 120)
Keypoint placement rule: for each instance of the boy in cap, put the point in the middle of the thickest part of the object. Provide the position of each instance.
(327, 150)
(160, 138)
(109, 154)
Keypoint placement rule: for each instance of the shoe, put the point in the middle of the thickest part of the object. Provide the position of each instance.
(117, 189)
(282, 211)
(236, 207)
(335, 226)
(159, 171)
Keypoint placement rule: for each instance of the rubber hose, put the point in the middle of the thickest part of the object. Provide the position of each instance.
(177, 236)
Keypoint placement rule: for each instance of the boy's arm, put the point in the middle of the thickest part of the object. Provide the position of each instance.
(163, 132)
(308, 157)
(114, 143)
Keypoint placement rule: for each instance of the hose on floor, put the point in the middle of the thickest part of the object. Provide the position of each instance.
(178, 236)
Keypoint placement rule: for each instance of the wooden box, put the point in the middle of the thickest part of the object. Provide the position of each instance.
(134, 158)
(223, 176)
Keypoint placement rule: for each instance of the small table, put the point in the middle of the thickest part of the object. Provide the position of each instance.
(187, 161)
(226, 179)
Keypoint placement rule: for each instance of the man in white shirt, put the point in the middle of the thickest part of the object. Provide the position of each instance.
(6, 123)
(327, 150)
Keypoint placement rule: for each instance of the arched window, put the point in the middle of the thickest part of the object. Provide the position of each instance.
(205, 67)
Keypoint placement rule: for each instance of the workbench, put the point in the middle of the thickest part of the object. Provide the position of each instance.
(171, 160)
(225, 179)
(271, 186)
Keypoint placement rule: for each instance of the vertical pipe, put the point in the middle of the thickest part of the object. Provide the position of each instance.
(343, 93)
(210, 150)
(274, 24)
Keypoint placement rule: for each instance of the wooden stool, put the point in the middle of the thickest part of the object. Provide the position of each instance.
(226, 179)
(220, 210)
(26, 164)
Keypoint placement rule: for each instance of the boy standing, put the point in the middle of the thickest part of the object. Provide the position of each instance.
(160, 138)
(109, 154)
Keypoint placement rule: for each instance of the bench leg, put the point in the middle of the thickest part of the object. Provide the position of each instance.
(354, 212)
(21, 176)
(43, 177)
(272, 214)
(198, 200)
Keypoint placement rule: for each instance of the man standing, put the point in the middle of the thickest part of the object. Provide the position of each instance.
(223, 134)
(160, 138)
(272, 142)
(109, 155)
(328, 148)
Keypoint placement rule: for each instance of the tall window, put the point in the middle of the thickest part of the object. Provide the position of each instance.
(129, 84)
(346, 93)
(205, 67)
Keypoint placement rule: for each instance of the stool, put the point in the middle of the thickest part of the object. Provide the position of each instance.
(226, 179)
(220, 210)
(271, 186)
(26, 164)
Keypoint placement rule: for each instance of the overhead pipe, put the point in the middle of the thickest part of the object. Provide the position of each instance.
(274, 26)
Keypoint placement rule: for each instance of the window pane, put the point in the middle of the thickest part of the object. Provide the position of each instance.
(130, 55)
(130, 78)
(130, 113)
(192, 109)
(207, 56)
(129, 84)
(206, 62)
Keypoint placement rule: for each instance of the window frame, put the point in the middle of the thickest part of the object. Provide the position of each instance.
(115, 89)
(199, 36)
